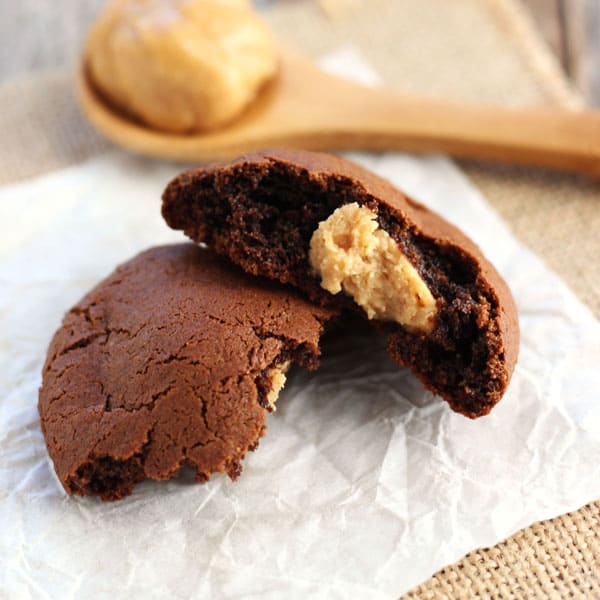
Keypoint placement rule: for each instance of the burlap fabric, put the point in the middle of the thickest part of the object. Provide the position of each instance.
(481, 50)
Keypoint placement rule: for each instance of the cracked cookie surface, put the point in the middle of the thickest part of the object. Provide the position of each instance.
(169, 362)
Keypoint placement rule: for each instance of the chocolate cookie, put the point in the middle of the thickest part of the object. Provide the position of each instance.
(349, 239)
(173, 360)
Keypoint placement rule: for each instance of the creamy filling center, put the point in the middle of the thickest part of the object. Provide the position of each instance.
(351, 253)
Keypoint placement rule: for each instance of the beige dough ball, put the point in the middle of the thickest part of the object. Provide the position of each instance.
(180, 65)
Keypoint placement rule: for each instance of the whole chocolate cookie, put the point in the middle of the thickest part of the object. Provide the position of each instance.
(173, 360)
(349, 239)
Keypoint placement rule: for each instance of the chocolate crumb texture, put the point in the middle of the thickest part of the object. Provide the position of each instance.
(346, 238)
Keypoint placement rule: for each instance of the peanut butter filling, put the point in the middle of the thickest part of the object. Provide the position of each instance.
(351, 253)
(278, 379)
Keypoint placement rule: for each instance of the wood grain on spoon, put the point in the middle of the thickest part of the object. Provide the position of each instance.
(306, 108)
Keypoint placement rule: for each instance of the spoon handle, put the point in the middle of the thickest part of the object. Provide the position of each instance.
(560, 139)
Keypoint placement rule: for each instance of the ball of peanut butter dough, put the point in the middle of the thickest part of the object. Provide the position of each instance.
(180, 65)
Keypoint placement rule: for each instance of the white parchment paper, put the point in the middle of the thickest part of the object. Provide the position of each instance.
(364, 485)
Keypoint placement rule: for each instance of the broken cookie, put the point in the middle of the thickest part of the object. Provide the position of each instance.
(173, 360)
(349, 239)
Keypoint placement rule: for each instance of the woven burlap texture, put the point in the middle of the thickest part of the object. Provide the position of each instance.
(479, 50)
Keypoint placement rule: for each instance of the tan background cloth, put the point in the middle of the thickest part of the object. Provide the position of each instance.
(480, 50)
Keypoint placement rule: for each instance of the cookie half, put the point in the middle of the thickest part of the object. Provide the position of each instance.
(174, 359)
(349, 239)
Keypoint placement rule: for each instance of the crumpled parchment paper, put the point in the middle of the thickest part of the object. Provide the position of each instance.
(364, 485)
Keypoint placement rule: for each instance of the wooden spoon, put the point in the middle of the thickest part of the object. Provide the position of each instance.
(306, 108)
